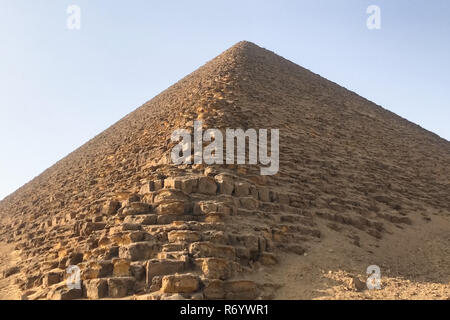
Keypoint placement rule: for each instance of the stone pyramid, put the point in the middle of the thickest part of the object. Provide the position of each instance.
(139, 227)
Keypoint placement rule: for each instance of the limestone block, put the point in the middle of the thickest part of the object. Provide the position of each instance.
(213, 207)
(171, 208)
(264, 194)
(170, 195)
(241, 189)
(65, 294)
(110, 207)
(214, 289)
(96, 288)
(97, 269)
(283, 198)
(90, 227)
(152, 186)
(138, 271)
(158, 267)
(216, 268)
(186, 184)
(120, 287)
(248, 203)
(208, 249)
(146, 219)
(207, 185)
(130, 227)
(225, 184)
(52, 277)
(180, 283)
(139, 251)
(136, 208)
(121, 267)
(240, 289)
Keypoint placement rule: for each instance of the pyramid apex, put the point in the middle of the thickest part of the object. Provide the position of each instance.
(245, 44)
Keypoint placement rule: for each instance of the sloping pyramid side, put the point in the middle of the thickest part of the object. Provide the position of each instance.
(136, 225)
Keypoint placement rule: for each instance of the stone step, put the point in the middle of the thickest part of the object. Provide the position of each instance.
(156, 268)
(173, 255)
(135, 208)
(139, 250)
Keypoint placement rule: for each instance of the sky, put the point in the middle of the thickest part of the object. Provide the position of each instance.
(59, 87)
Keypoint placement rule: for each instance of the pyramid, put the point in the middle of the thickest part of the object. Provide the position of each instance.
(137, 226)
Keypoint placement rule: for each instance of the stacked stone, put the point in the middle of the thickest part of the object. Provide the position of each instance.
(196, 235)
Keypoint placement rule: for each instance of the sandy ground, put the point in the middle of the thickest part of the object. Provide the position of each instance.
(414, 263)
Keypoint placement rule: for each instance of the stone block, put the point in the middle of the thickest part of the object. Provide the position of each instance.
(208, 249)
(130, 227)
(139, 251)
(90, 227)
(121, 267)
(136, 208)
(65, 294)
(120, 287)
(152, 186)
(240, 289)
(157, 267)
(138, 271)
(110, 207)
(186, 184)
(214, 290)
(97, 269)
(241, 189)
(180, 283)
(96, 288)
(207, 185)
(52, 277)
(225, 184)
(170, 195)
(216, 268)
(264, 194)
(171, 208)
(146, 219)
(248, 203)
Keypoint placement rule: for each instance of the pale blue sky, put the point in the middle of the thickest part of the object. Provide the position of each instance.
(59, 88)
